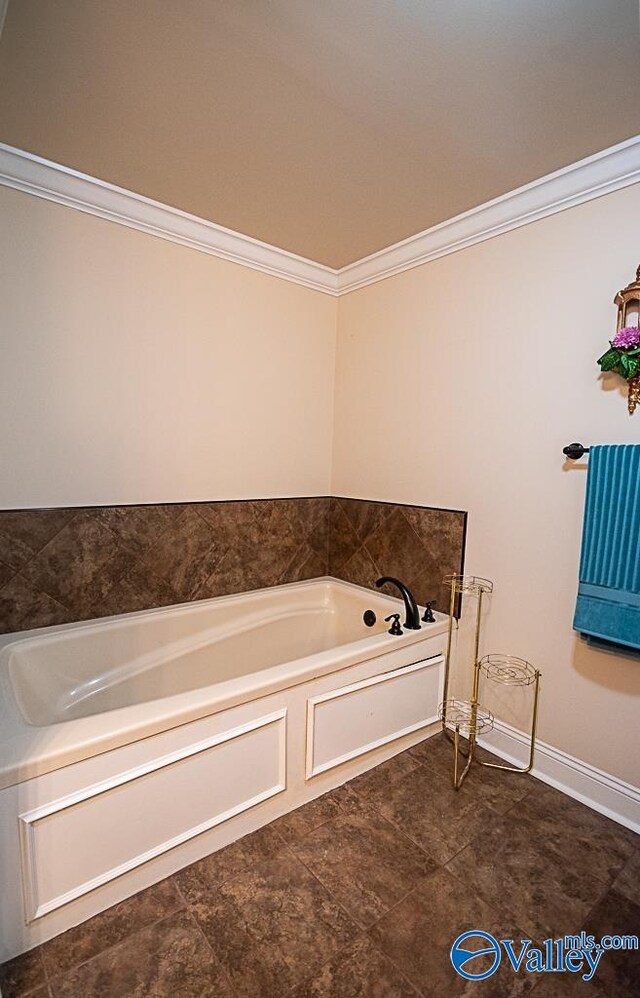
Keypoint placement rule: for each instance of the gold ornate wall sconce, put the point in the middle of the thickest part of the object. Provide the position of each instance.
(623, 356)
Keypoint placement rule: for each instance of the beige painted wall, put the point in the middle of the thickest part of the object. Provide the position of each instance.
(136, 370)
(458, 384)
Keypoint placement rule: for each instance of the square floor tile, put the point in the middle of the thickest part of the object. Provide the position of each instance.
(273, 926)
(197, 881)
(494, 788)
(438, 818)
(169, 959)
(22, 975)
(304, 819)
(359, 971)
(110, 927)
(417, 936)
(618, 972)
(374, 785)
(512, 869)
(628, 880)
(366, 863)
(582, 838)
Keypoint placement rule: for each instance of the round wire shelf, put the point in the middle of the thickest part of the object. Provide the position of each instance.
(464, 715)
(508, 670)
(471, 585)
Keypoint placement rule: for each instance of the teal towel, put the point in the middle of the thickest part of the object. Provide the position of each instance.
(608, 604)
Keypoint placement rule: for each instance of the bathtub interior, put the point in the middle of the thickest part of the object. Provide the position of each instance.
(91, 668)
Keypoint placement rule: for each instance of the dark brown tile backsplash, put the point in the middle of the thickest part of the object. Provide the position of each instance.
(417, 544)
(74, 564)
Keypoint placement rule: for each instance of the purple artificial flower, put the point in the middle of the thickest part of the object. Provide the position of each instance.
(627, 337)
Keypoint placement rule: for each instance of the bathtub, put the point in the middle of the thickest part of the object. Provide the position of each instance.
(180, 729)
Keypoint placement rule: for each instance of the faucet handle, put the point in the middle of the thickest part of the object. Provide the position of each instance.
(395, 628)
(427, 616)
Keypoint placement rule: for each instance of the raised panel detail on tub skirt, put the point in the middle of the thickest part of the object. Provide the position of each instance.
(350, 721)
(77, 843)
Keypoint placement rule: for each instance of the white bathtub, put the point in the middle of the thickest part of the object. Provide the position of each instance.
(272, 636)
(204, 720)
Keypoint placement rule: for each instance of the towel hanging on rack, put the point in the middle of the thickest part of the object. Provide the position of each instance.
(608, 604)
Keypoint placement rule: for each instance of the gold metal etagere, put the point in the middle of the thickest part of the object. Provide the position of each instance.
(466, 719)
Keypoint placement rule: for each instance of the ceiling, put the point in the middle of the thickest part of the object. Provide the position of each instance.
(330, 128)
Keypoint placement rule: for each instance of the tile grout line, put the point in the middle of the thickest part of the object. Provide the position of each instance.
(202, 933)
(137, 560)
(189, 597)
(286, 847)
(42, 589)
(219, 560)
(5, 564)
(36, 554)
(194, 917)
(360, 931)
(490, 904)
(393, 907)
(362, 541)
(386, 956)
(42, 592)
(83, 963)
(17, 572)
(365, 931)
(483, 900)
(364, 934)
(351, 529)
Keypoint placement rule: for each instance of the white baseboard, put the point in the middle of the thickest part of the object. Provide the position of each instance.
(601, 791)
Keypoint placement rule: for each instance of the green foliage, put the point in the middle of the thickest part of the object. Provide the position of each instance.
(626, 363)
(610, 360)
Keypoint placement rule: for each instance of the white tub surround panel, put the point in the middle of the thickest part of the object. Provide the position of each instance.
(213, 780)
(387, 706)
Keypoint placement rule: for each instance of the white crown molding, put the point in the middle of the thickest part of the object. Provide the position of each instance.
(33, 175)
(606, 171)
(603, 173)
(599, 790)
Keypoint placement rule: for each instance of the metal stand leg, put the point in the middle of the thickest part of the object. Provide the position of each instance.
(447, 661)
(459, 780)
(532, 742)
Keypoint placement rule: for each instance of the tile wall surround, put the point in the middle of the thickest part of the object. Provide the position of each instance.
(72, 564)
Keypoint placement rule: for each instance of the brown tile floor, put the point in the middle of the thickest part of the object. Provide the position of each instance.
(361, 893)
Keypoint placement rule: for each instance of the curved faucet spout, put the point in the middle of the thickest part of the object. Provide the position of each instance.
(412, 614)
